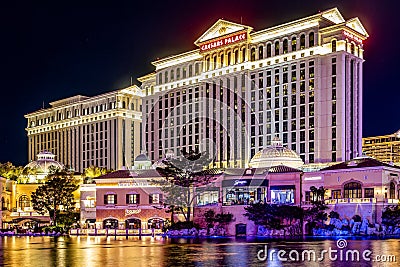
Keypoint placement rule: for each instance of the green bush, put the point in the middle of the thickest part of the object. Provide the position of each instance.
(183, 225)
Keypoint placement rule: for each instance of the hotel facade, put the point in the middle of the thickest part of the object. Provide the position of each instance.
(301, 80)
(103, 130)
(385, 148)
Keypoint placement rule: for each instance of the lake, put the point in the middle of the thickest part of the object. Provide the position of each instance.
(159, 251)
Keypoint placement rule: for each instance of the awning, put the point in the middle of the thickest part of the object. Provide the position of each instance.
(245, 182)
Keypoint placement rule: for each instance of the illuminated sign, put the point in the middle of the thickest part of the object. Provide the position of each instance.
(224, 41)
(352, 37)
(240, 182)
(314, 178)
(132, 212)
(133, 184)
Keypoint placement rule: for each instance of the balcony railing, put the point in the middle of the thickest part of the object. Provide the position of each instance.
(27, 214)
(349, 200)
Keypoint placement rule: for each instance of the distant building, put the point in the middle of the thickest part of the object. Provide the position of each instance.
(16, 195)
(385, 148)
(102, 130)
(301, 80)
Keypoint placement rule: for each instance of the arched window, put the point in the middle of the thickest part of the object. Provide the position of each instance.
(156, 223)
(3, 204)
(352, 49)
(333, 45)
(184, 72)
(228, 58)
(166, 76)
(190, 70)
(269, 48)
(110, 224)
(243, 54)
(302, 41)
(352, 190)
(276, 48)
(196, 69)
(123, 104)
(178, 73)
(133, 223)
(261, 52)
(207, 64)
(23, 202)
(392, 191)
(294, 43)
(160, 78)
(172, 75)
(236, 57)
(221, 59)
(253, 54)
(214, 61)
(285, 46)
(311, 39)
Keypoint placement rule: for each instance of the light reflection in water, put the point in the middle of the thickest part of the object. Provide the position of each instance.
(158, 251)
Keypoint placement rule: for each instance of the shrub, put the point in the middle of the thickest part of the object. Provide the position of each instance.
(334, 215)
(183, 225)
(356, 218)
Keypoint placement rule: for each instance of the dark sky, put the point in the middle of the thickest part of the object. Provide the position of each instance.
(50, 52)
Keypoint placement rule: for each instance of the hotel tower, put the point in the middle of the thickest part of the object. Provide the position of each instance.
(102, 130)
(300, 81)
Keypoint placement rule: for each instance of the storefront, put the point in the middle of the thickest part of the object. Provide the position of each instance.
(207, 196)
(282, 194)
(244, 191)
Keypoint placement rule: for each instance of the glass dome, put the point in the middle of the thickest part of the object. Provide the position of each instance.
(44, 162)
(274, 155)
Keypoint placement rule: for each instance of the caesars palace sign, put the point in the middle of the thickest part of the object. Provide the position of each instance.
(235, 38)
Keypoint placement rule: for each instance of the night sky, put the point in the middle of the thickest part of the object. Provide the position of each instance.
(52, 52)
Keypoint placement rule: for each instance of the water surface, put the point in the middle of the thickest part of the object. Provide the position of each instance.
(159, 251)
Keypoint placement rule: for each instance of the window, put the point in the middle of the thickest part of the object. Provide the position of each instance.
(268, 50)
(311, 39)
(110, 199)
(368, 192)
(336, 194)
(392, 192)
(294, 43)
(155, 198)
(276, 48)
(253, 54)
(285, 46)
(352, 190)
(333, 45)
(261, 52)
(24, 202)
(132, 199)
(302, 41)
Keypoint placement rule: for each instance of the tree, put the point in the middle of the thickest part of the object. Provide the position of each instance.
(211, 217)
(274, 216)
(391, 216)
(316, 214)
(264, 214)
(94, 171)
(9, 171)
(55, 195)
(182, 175)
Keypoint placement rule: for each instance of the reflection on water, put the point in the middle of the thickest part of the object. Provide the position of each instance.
(147, 251)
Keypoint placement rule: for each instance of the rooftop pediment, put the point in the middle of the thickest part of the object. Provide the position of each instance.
(221, 28)
(333, 15)
(356, 25)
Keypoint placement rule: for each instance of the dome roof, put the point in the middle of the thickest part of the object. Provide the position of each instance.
(142, 157)
(44, 162)
(274, 155)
